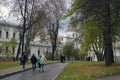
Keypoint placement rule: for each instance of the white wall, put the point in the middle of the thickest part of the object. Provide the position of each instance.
(34, 45)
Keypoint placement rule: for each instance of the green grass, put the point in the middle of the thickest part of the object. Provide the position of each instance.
(82, 70)
(9, 64)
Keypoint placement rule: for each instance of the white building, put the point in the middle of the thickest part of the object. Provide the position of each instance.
(70, 36)
(7, 32)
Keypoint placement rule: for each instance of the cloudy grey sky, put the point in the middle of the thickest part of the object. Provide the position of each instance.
(4, 13)
(66, 21)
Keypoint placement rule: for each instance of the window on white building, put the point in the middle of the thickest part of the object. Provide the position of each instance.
(7, 35)
(0, 52)
(14, 35)
(0, 33)
(62, 39)
(38, 52)
(6, 49)
(73, 35)
(13, 50)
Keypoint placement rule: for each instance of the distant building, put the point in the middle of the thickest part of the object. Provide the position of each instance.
(8, 31)
(72, 36)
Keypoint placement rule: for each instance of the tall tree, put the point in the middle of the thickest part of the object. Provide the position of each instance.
(28, 12)
(21, 8)
(108, 38)
(54, 10)
(103, 13)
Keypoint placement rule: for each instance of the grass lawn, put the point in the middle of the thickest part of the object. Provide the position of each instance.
(83, 70)
(8, 64)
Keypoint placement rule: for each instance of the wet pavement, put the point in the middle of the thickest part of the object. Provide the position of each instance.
(51, 72)
(112, 77)
(13, 70)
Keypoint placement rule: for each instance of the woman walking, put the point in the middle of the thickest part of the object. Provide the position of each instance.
(41, 62)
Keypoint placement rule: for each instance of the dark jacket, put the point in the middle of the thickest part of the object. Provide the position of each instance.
(23, 60)
(33, 60)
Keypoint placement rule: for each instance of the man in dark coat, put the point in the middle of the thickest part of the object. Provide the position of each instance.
(33, 61)
(23, 60)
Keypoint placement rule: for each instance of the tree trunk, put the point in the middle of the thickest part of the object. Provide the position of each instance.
(53, 51)
(19, 47)
(108, 40)
(53, 47)
(27, 48)
(54, 37)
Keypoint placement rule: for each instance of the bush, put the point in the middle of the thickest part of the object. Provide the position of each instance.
(56, 56)
(48, 56)
(68, 50)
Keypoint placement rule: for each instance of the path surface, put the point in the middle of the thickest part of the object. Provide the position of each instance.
(51, 72)
(112, 77)
(13, 70)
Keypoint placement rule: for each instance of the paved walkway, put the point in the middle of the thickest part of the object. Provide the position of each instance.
(54, 68)
(112, 77)
(13, 70)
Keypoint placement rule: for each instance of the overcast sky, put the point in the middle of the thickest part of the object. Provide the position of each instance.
(4, 13)
(66, 21)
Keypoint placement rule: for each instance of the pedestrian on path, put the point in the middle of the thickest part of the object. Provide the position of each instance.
(42, 62)
(39, 60)
(23, 60)
(33, 61)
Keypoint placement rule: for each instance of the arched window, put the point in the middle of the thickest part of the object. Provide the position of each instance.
(14, 35)
(6, 49)
(7, 35)
(13, 50)
(73, 35)
(0, 49)
(38, 52)
(62, 39)
(0, 33)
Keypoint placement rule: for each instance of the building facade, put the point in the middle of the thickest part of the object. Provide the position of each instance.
(70, 37)
(9, 32)
(74, 37)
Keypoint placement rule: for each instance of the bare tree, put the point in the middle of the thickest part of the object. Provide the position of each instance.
(27, 11)
(44, 14)
(54, 10)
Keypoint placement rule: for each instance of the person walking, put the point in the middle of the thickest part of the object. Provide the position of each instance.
(42, 62)
(39, 61)
(33, 61)
(23, 60)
